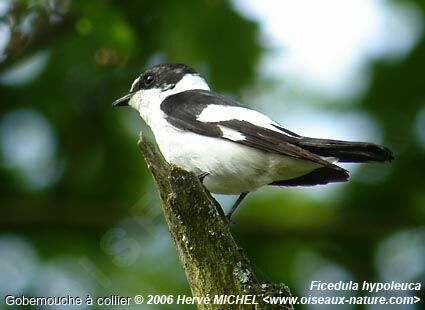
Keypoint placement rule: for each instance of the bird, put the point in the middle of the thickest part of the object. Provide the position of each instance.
(233, 149)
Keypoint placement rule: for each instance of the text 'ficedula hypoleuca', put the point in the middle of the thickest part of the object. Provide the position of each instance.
(234, 149)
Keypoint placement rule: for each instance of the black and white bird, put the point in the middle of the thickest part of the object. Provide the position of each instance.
(234, 149)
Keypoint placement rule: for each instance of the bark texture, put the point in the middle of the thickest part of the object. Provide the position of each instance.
(213, 263)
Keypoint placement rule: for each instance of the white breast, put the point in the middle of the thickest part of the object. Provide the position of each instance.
(233, 168)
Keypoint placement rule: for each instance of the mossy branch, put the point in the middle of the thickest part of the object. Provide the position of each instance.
(213, 263)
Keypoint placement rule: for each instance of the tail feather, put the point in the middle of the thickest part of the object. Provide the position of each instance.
(319, 176)
(343, 151)
(346, 151)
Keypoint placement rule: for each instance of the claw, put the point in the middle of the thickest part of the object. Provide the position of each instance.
(202, 176)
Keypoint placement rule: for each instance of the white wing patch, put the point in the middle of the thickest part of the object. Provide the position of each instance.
(231, 134)
(219, 113)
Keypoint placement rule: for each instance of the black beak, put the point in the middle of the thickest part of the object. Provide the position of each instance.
(123, 101)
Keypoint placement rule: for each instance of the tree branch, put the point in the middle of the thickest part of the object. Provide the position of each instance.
(213, 263)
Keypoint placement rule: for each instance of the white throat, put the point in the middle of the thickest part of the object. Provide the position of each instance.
(148, 101)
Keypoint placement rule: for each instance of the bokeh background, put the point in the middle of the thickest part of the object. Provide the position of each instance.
(79, 213)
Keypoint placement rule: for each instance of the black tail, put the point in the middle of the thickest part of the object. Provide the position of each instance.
(346, 151)
(319, 176)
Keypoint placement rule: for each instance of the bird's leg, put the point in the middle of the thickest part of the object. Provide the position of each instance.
(236, 205)
(202, 176)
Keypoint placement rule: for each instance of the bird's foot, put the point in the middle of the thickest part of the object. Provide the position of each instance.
(230, 221)
(234, 207)
(202, 176)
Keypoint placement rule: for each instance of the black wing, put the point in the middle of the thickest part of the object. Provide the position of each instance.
(182, 110)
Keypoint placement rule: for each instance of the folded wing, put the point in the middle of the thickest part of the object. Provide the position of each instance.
(210, 114)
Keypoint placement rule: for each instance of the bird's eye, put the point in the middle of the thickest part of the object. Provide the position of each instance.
(148, 80)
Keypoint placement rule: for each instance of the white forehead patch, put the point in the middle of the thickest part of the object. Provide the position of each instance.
(147, 100)
(134, 84)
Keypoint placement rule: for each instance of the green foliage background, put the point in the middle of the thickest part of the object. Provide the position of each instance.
(96, 227)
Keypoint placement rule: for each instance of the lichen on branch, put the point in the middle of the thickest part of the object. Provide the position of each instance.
(213, 263)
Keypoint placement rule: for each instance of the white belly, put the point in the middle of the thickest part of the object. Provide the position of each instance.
(232, 168)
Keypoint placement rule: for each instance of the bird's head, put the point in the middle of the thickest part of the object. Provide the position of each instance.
(159, 82)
